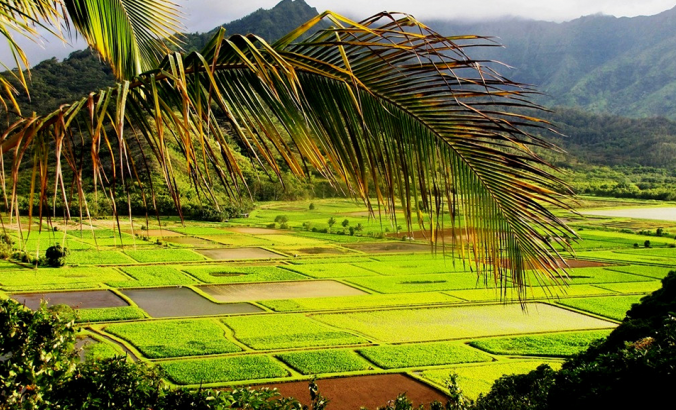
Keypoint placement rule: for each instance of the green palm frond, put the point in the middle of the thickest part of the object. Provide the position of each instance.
(386, 106)
(127, 34)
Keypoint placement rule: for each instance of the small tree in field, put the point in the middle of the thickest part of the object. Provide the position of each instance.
(332, 221)
(56, 256)
(345, 223)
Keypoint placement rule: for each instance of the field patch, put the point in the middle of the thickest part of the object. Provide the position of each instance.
(223, 369)
(200, 230)
(485, 295)
(557, 345)
(109, 314)
(389, 247)
(238, 253)
(633, 287)
(478, 379)
(290, 240)
(287, 331)
(182, 302)
(418, 283)
(614, 307)
(422, 354)
(83, 300)
(175, 338)
(93, 257)
(649, 271)
(279, 290)
(238, 240)
(165, 255)
(354, 302)
(240, 274)
(17, 279)
(412, 325)
(158, 275)
(325, 361)
(326, 270)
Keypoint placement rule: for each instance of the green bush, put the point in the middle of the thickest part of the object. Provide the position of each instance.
(55, 256)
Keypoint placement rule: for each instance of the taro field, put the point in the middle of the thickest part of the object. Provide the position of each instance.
(248, 303)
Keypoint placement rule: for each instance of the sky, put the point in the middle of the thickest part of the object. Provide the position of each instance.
(203, 15)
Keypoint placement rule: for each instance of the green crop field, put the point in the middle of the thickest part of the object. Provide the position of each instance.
(614, 307)
(229, 273)
(412, 309)
(100, 350)
(478, 379)
(226, 369)
(165, 255)
(356, 302)
(423, 354)
(287, 331)
(175, 338)
(93, 257)
(153, 276)
(558, 345)
(325, 361)
(410, 325)
(55, 279)
(109, 314)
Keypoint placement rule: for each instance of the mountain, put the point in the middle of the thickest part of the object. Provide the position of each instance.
(604, 64)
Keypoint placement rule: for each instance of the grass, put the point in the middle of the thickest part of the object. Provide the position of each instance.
(482, 295)
(330, 260)
(153, 276)
(478, 379)
(419, 267)
(614, 307)
(94, 257)
(228, 273)
(422, 354)
(355, 302)
(287, 331)
(175, 338)
(633, 287)
(165, 255)
(413, 325)
(649, 271)
(223, 369)
(325, 361)
(57, 278)
(581, 276)
(625, 257)
(283, 239)
(200, 230)
(109, 314)
(418, 283)
(338, 270)
(335, 237)
(99, 351)
(234, 239)
(557, 345)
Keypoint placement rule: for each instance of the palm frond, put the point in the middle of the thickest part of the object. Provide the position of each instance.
(387, 106)
(127, 34)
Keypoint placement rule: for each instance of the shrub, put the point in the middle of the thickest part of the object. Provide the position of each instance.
(281, 219)
(312, 206)
(271, 225)
(55, 256)
(646, 244)
(284, 225)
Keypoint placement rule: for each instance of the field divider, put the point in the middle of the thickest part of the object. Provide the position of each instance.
(230, 335)
(125, 345)
(586, 313)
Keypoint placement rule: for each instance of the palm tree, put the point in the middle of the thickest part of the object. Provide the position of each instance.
(386, 106)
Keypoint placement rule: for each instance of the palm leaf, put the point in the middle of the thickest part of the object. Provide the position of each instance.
(386, 106)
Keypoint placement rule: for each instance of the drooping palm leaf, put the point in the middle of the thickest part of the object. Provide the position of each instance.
(389, 107)
(127, 34)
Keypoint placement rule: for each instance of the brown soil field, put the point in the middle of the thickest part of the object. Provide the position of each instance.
(82, 300)
(238, 253)
(351, 393)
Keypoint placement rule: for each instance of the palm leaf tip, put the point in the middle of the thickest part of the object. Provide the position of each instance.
(128, 34)
(386, 106)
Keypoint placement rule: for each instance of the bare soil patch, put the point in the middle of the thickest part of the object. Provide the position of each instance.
(389, 247)
(189, 240)
(181, 302)
(257, 231)
(238, 253)
(279, 290)
(80, 300)
(351, 393)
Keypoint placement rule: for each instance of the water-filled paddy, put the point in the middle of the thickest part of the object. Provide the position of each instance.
(181, 302)
(238, 253)
(279, 290)
(82, 300)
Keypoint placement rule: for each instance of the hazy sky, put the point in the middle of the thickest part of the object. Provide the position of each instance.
(203, 15)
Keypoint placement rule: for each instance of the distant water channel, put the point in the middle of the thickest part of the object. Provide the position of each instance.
(660, 214)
